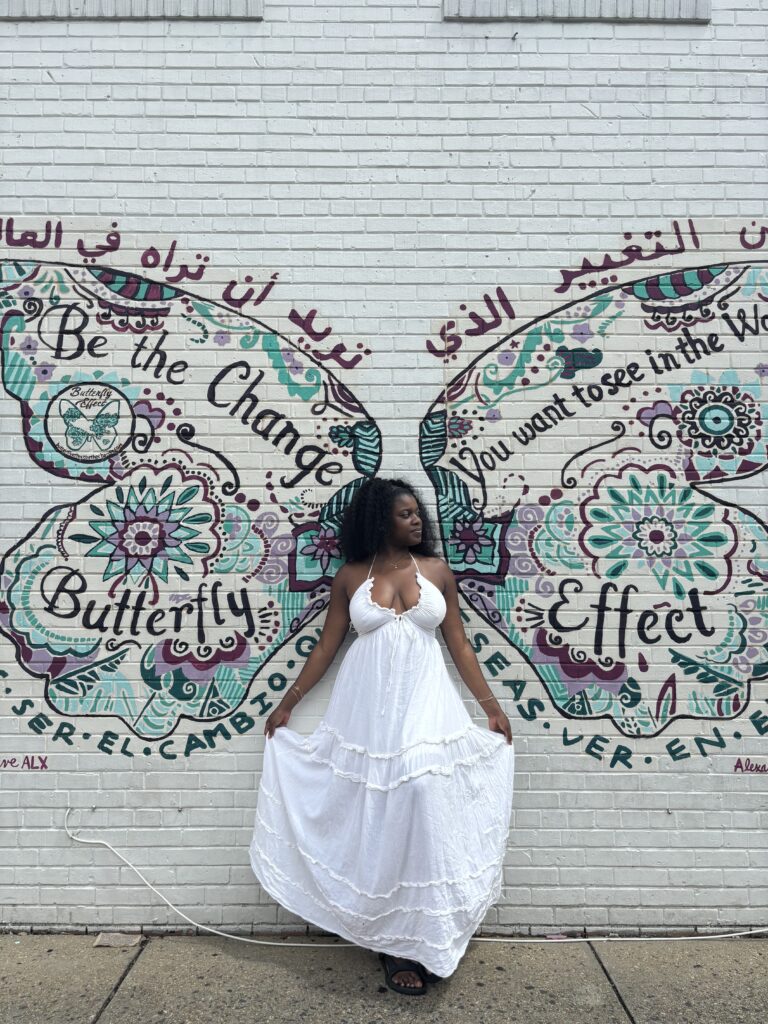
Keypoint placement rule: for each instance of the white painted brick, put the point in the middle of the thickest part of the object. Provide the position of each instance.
(391, 166)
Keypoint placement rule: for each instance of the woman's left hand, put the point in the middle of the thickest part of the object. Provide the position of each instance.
(498, 722)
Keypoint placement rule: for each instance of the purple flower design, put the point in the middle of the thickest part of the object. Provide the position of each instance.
(29, 346)
(323, 547)
(292, 364)
(153, 529)
(44, 372)
(221, 337)
(468, 540)
(582, 332)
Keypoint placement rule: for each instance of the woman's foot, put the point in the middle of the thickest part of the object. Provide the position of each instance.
(403, 975)
(406, 977)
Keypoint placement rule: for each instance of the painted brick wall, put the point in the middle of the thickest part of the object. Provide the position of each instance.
(394, 169)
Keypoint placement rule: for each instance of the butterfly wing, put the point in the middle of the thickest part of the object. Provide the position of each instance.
(215, 459)
(104, 424)
(76, 424)
(572, 465)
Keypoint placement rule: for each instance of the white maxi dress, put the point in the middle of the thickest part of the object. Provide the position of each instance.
(388, 824)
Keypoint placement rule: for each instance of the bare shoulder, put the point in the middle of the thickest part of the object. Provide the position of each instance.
(351, 569)
(348, 577)
(436, 569)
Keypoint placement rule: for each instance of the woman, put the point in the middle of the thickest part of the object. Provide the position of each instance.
(388, 824)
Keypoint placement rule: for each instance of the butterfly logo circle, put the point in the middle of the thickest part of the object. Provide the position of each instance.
(89, 422)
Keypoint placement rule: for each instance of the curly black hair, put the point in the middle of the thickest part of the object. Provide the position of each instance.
(367, 519)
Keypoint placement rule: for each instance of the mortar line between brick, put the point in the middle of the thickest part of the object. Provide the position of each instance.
(612, 984)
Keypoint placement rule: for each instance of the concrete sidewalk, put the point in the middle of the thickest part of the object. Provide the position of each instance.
(64, 979)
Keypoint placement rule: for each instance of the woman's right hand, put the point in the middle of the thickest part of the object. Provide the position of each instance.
(498, 722)
(279, 717)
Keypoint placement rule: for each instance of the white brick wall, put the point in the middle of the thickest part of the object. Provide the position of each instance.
(390, 165)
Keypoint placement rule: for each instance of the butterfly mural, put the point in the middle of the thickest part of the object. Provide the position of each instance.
(570, 464)
(188, 561)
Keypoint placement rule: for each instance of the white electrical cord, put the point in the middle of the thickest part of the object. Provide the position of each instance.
(339, 945)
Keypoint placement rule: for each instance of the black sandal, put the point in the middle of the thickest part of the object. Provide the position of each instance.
(428, 975)
(390, 968)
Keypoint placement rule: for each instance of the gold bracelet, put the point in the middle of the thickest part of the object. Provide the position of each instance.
(481, 700)
(295, 687)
